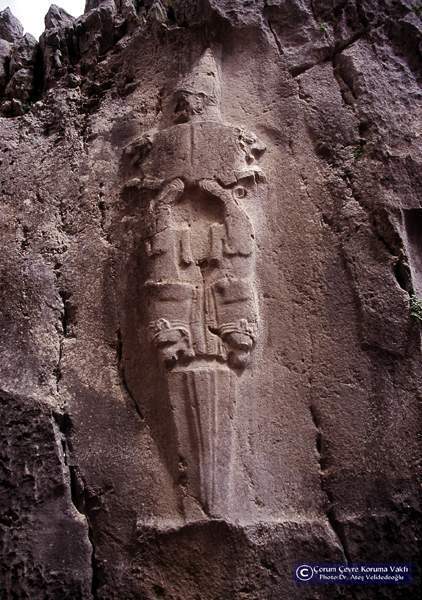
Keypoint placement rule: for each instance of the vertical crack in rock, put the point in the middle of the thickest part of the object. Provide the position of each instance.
(332, 518)
(38, 75)
(346, 90)
(62, 331)
(103, 209)
(276, 39)
(122, 374)
(80, 500)
(62, 426)
(64, 317)
(65, 312)
(58, 369)
(64, 327)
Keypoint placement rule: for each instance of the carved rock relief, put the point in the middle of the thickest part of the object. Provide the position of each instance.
(194, 178)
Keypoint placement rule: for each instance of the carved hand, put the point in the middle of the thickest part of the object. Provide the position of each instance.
(171, 192)
(215, 189)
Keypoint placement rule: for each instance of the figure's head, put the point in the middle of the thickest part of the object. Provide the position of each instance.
(197, 96)
(188, 106)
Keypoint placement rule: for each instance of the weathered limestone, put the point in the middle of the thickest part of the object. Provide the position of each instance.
(211, 235)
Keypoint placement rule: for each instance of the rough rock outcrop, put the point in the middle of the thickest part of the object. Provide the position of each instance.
(56, 17)
(211, 254)
(11, 31)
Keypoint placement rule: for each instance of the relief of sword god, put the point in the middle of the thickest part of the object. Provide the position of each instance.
(195, 177)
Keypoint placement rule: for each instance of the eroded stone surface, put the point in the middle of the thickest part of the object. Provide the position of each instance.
(10, 28)
(127, 136)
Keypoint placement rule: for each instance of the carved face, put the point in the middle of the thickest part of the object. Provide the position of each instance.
(188, 105)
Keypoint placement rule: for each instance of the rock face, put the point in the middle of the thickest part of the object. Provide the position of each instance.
(211, 235)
